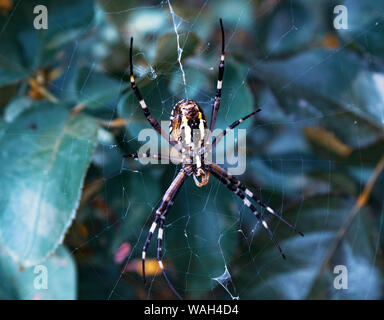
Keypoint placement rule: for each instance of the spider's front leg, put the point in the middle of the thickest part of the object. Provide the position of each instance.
(231, 127)
(237, 187)
(161, 212)
(153, 122)
(216, 103)
(174, 159)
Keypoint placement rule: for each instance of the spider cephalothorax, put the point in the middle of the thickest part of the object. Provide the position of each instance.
(188, 127)
(190, 136)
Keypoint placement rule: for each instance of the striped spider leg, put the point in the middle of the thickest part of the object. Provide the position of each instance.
(237, 187)
(188, 117)
(153, 122)
(231, 127)
(161, 213)
(216, 103)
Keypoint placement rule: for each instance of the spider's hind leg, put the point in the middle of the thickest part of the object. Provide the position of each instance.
(161, 213)
(159, 256)
(267, 208)
(232, 180)
(236, 187)
(258, 215)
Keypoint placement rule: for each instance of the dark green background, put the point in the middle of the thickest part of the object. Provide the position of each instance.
(68, 200)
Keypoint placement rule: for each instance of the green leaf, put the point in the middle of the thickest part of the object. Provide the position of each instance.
(269, 277)
(196, 80)
(45, 153)
(15, 107)
(28, 284)
(281, 176)
(108, 156)
(96, 90)
(31, 48)
(11, 70)
(68, 20)
(333, 88)
(292, 26)
(365, 26)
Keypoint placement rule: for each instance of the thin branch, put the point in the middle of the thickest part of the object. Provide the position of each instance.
(43, 91)
(115, 123)
(360, 202)
(78, 108)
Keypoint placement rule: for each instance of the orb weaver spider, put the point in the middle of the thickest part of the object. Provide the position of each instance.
(188, 116)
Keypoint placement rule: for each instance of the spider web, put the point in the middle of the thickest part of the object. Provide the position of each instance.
(181, 25)
(240, 216)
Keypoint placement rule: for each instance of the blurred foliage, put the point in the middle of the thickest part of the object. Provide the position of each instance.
(71, 203)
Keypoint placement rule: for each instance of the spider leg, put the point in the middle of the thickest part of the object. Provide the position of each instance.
(258, 215)
(241, 186)
(153, 122)
(159, 256)
(153, 156)
(147, 241)
(161, 212)
(269, 209)
(232, 126)
(216, 104)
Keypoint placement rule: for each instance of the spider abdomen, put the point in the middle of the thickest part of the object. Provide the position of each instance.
(188, 122)
(188, 127)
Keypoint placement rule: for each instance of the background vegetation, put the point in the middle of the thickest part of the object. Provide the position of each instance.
(71, 203)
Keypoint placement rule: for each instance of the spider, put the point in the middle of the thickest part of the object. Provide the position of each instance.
(187, 117)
